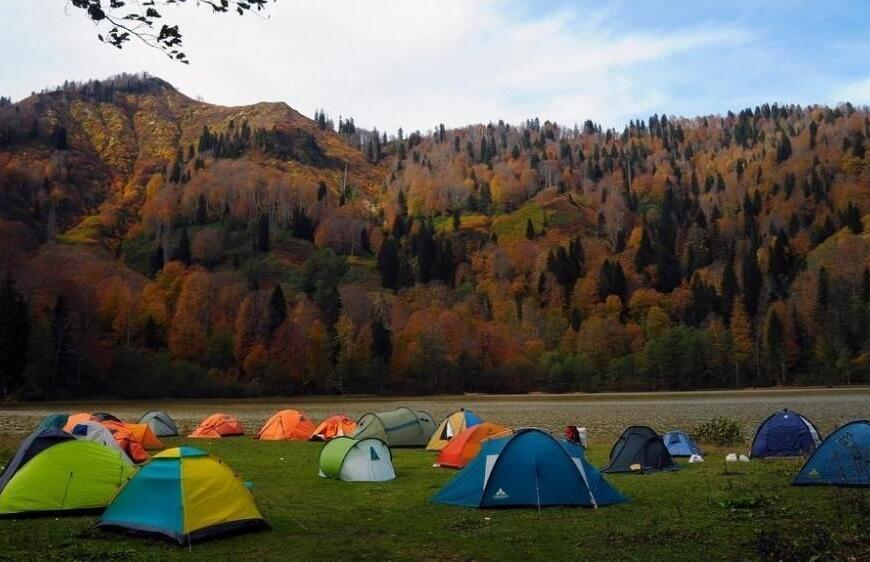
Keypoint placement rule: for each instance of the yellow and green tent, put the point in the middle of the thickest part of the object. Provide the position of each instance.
(186, 495)
(53, 472)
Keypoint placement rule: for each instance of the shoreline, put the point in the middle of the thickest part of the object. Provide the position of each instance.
(532, 397)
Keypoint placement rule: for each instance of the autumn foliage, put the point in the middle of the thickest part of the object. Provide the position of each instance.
(157, 246)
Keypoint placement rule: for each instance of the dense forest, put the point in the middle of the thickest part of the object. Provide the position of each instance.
(154, 245)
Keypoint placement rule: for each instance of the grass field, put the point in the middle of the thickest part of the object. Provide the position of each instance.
(709, 511)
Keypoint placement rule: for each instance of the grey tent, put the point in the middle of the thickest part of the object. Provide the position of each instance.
(97, 432)
(160, 423)
(402, 427)
(640, 450)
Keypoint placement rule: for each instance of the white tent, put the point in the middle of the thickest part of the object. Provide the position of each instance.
(97, 432)
(366, 460)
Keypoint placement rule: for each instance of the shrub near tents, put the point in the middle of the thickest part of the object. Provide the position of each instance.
(721, 432)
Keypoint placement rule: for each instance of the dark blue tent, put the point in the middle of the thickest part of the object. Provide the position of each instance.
(34, 444)
(680, 444)
(843, 459)
(785, 434)
(639, 450)
(529, 468)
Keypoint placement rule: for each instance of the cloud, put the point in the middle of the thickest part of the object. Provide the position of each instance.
(857, 92)
(393, 63)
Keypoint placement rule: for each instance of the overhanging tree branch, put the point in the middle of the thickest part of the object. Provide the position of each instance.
(142, 19)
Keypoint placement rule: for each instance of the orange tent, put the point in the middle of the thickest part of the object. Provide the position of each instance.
(287, 424)
(465, 446)
(332, 427)
(140, 432)
(76, 419)
(129, 443)
(218, 425)
(134, 438)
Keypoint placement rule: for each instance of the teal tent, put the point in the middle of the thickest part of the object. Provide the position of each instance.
(53, 421)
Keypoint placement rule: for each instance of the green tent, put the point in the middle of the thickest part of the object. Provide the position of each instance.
(402, 427)
(366, 460)
(69, 475)
(53, 421)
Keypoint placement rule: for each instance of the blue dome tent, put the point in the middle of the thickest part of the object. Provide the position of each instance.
(843, 459)
(785, 434)
(680, 444)
(529, 469)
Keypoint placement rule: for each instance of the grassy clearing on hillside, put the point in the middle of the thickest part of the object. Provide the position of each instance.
(363, 271)
(710, 511)
(88, 231)
(512, 226)
(467, 221)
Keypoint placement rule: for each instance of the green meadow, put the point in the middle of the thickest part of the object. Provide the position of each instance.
(711, 511)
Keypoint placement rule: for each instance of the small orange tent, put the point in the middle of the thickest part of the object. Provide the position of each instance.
(332, 427)
(140, 432)
(129, 443)
(76, 419)
(465, 446)
(287, 424)
(218, 425)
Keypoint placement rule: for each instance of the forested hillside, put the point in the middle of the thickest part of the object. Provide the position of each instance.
(154, 245)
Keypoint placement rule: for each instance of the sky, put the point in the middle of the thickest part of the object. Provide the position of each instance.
(415, 64)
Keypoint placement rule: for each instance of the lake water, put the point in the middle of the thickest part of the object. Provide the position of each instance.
(605, 415)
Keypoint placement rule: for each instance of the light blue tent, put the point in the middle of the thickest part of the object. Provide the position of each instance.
(529, 468)
(785, 434)
(680, 444)
(843, 459)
